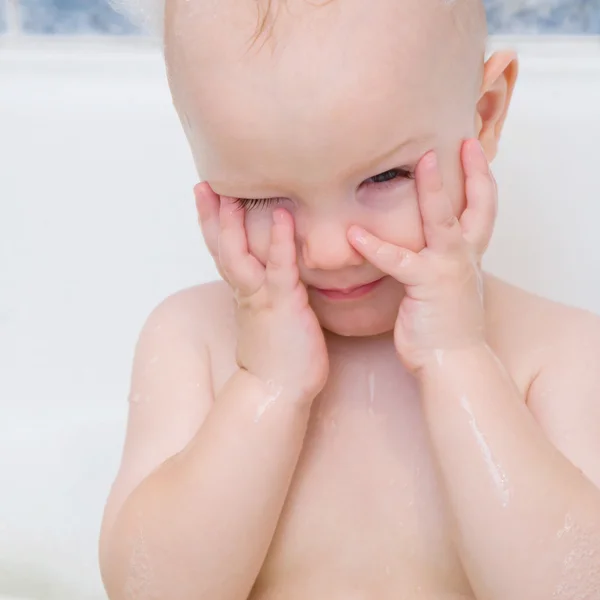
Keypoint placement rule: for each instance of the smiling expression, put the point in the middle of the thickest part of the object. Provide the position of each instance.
(328, 119)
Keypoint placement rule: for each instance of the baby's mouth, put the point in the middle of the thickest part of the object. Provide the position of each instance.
(349, 293)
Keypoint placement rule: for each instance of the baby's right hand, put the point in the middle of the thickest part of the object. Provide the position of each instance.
(279, 339)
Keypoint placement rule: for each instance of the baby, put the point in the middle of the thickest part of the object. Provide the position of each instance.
(357, 410)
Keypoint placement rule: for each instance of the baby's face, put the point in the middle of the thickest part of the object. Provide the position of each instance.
(328, 119)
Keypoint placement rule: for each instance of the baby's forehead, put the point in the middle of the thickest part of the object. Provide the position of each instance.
(324, 68)
(205, 36)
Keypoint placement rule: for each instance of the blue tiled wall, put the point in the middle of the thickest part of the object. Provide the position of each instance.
(505, 16)
(2, 21)
(544, 16)
(71, 17)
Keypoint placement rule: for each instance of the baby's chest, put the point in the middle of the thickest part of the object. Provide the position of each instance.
(365, 501)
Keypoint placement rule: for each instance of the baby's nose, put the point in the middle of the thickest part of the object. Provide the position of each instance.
(325, 246)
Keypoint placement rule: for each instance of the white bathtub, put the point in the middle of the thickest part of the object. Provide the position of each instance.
(97, 225)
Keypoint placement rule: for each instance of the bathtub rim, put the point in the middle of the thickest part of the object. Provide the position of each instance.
(24, 51)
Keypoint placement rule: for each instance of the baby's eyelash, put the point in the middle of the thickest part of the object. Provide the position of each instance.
(391, 175)
(252, 203)
(385, 178)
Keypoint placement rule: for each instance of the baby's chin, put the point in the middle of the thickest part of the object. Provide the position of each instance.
(358, 320)
(357, 332)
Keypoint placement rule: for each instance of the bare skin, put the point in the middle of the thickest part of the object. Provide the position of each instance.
(265, 459)
(365, 515)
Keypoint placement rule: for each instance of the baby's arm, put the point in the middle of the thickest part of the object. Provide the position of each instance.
(525, 495)
(202, 482)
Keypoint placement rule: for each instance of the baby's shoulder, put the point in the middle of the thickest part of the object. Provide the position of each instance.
(519, 311)
(537, 333)
(200, 315)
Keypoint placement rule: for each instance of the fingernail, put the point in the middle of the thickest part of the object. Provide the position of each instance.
(431, 160)
(357, 235)
(432, 172)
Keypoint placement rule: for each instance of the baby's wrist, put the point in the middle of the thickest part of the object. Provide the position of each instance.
(280, 390)
(452, 359)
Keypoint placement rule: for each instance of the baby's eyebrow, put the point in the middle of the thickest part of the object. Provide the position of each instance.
(380, 159)
(368, 168)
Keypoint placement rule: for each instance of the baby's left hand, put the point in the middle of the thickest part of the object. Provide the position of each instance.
(443, 308)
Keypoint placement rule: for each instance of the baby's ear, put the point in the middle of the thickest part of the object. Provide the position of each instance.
(499, 78)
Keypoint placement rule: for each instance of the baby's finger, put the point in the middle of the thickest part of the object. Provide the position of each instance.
(477, 222)
(440, 225)
(282, 268)
(403, 265)
(241, 269)
(207, 206)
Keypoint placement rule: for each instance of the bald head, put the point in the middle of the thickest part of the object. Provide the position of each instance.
(318, 66)
(149, 14)
(263, 21)
(326, 107)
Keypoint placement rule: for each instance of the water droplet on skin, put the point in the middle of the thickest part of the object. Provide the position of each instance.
(480, 286)
(371, 387)
(580, 576)
(545, 393)
(568, 525)
(388, 571)
(237, 297)
(274, 391)
(497, 474)
(371, 384)
(150, 363)
(138, 398)
(139, 582)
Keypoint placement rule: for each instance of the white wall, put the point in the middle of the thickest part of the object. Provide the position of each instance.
(97, 225)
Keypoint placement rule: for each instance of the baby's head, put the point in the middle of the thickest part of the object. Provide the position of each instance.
(325, 107)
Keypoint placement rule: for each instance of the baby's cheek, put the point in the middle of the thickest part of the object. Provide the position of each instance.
(258, 232)
(400, 225)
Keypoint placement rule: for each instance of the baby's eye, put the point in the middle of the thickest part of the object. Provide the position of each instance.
(390, 175)
(252, 203)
